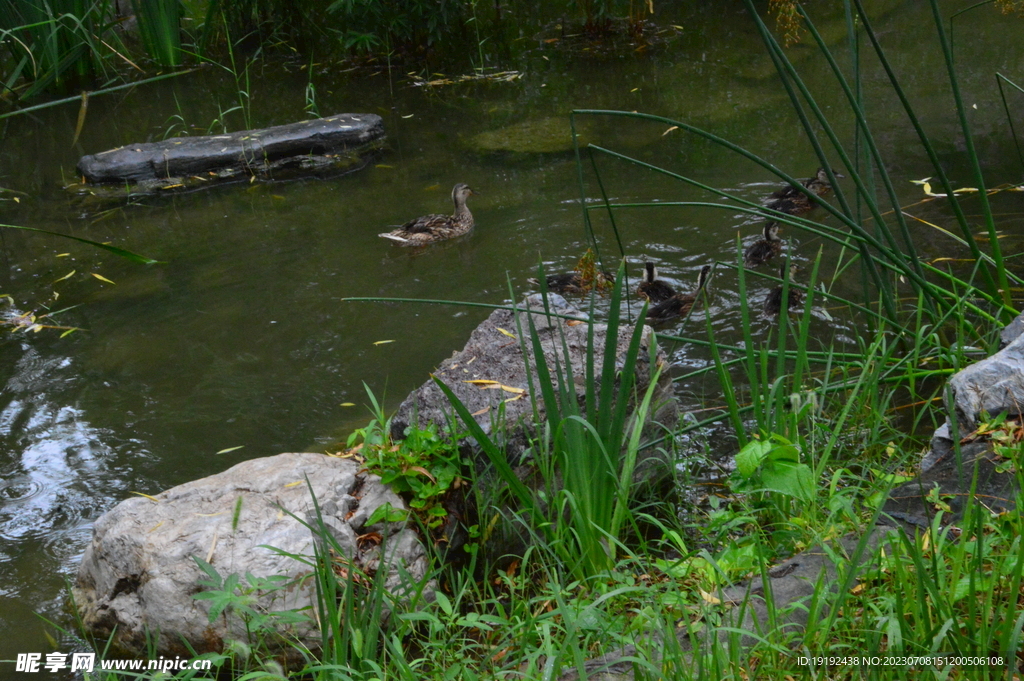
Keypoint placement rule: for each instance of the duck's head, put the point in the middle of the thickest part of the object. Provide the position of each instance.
(771, 231)
(460, 193)
(822, 174)
(703, 277)
(650, 272)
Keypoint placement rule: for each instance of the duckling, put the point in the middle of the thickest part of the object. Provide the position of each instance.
(584, 278)
(765, 248)
(773, 303)
(652, 288)
(681, 303)
(795, 201)
(437, 227)
(575, 284)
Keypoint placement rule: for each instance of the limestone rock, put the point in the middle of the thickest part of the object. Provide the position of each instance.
(490, 354)
(993, 385)
(138, 574)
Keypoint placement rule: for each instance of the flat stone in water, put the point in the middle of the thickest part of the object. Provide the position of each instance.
(248, 153)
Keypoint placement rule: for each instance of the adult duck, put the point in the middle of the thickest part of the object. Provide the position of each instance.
(681, 303)
(765, 248)
(653, 289)
(437, 227)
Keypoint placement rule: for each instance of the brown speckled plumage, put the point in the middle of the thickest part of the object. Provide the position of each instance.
(795, 201)
(765, 248)
(652, 288)
(795, 297)
(681, 303)
(437, 227)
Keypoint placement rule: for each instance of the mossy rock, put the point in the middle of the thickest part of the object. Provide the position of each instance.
(541, 136)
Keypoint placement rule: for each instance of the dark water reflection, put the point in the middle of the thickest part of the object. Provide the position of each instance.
(240, 338)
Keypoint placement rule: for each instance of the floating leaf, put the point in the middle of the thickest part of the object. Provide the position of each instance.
(383, 342)
(102, 278)
(66, 276)
(62, 255)
(348, 404)
(230, 449)
(674, 127)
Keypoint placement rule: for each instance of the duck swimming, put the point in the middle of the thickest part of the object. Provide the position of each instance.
(652, 288)
(681, 303)
(437, 227)
(773, 303)
(795, 201)
(765, 248)
(586, 277)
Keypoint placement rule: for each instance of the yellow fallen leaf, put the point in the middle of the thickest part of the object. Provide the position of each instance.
(17, 200)
(348, 404)
(514, 391)
(172, 186)
(66, 276)
(708, 598)
(230, 449)
(102, 278)
(409, 116)
(383, 342)
(513, 399)
(482, 381)
(153, 529)
(62, 255)
(674, 127)
(295, 484)
(574, 322)
(481, 411)
(634, 89)
(510, 335)
(154, 499)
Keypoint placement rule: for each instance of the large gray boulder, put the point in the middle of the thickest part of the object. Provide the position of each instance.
(493, 353)
(138, 574)
(249, 152)
(993, 386)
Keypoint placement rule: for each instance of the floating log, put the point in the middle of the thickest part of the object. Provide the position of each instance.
(342, 140)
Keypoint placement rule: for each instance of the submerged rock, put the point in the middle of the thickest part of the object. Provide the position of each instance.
(489, 374)
(138, 577)
(540, 136)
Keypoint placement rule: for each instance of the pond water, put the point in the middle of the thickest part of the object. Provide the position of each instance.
(240, 338)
